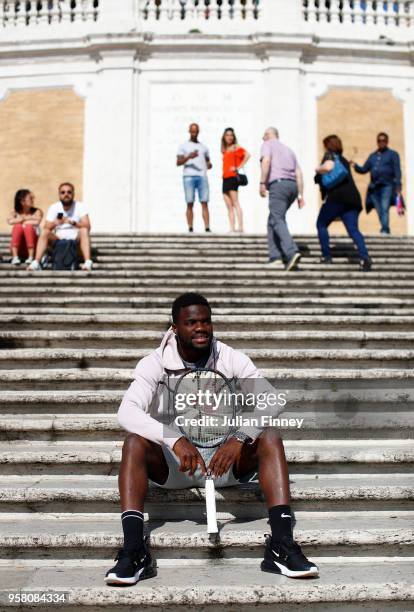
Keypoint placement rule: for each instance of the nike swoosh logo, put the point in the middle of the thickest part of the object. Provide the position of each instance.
(285, 516)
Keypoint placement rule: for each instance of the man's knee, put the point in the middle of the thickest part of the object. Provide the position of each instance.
(83, 232)
(270, 438)
(135, 444)
(190, 204)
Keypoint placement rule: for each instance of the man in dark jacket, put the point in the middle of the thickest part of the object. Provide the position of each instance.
(385, 168)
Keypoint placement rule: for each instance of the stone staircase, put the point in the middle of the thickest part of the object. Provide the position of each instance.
(340, 341)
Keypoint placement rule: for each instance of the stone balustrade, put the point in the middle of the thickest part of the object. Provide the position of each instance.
(49, 12)
(199, 9)
(207, 16)
(367, 12)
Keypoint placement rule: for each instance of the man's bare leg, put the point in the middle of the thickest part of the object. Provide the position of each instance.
(190, 214)
(206, 215)
(267, 454)
(282, 554)
(85, 243)
(45, 237)
(141, 460)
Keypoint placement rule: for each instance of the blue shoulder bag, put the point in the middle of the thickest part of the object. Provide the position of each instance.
(336, 175)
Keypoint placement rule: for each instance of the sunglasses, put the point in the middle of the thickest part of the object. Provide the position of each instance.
(66, 192)
(382, 140)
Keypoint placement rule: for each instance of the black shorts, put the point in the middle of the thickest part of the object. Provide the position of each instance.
(230, 184)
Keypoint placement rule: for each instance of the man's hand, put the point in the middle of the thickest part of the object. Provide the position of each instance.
(209, 165)
(225, 457)
(301, 202)
(352, 163)
(263, 190)
(189, 456)
(192, 155)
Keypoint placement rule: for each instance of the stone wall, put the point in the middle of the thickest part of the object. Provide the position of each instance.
(357, 115)
(41, 145)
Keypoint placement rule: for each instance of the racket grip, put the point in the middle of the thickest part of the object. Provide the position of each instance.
(210, 492)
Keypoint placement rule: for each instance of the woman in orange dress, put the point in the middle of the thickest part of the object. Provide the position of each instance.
(234, 158)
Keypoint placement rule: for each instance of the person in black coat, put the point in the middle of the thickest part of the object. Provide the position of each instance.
(341, 201)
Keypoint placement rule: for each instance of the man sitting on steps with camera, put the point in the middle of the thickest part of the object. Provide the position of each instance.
(67, 219)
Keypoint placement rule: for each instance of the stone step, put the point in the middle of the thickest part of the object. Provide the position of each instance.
(316, 492)
(277, 303)
(282, 378)
(348, 393)
(93, 536)
(156, 297)
(71, 358)
(288, 282)
(225, 240)
(46, 312)
(260, 259)
(309, 321)
(209, 275)
(304, 456)
(241, 339)
(377, 584)
(332, 421)
(381, 265)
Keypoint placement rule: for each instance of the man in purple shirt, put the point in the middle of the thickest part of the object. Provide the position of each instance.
(282, 177)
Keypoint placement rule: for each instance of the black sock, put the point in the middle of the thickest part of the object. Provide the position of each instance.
(280, 520)
(133, 526)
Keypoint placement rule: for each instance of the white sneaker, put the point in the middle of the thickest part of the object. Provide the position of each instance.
(28, 261)
(276, 264)
(87, 265)
(34, 266)
(16, 261)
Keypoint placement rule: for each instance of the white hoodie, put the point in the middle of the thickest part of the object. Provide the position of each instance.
(144, 409)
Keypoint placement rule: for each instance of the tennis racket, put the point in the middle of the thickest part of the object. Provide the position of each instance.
(204, 401)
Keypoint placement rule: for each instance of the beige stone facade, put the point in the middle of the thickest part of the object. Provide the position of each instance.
(41, 144)
(357, 115)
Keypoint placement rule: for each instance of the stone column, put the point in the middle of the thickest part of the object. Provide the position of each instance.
(110, 126)
(406, 95)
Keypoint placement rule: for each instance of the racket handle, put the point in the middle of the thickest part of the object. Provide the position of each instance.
(211, 506)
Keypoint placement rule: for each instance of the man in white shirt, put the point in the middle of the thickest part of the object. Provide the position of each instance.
(67, 219)
(195, 158)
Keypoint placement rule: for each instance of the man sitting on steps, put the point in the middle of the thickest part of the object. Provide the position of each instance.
(156, 452)
(67, 219)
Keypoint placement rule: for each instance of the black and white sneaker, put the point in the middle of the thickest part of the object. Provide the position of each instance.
(286, 558)
(131, 567)
(292, 264)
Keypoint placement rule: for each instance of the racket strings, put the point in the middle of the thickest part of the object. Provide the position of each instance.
(207, 408)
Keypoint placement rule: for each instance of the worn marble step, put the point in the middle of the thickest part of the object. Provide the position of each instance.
(277, 303)
(265, 274)
(281, 378)
(377, 584)
(94, 536)
(312, 314)
(316, 492)
(80, 358)
(381, 265)
(304, 456)
(96, 281)
(347, 396)
(242, 340)
(217, 297)
(395, 321)
(320, 422)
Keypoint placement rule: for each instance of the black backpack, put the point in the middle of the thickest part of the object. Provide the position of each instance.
(65, 255)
